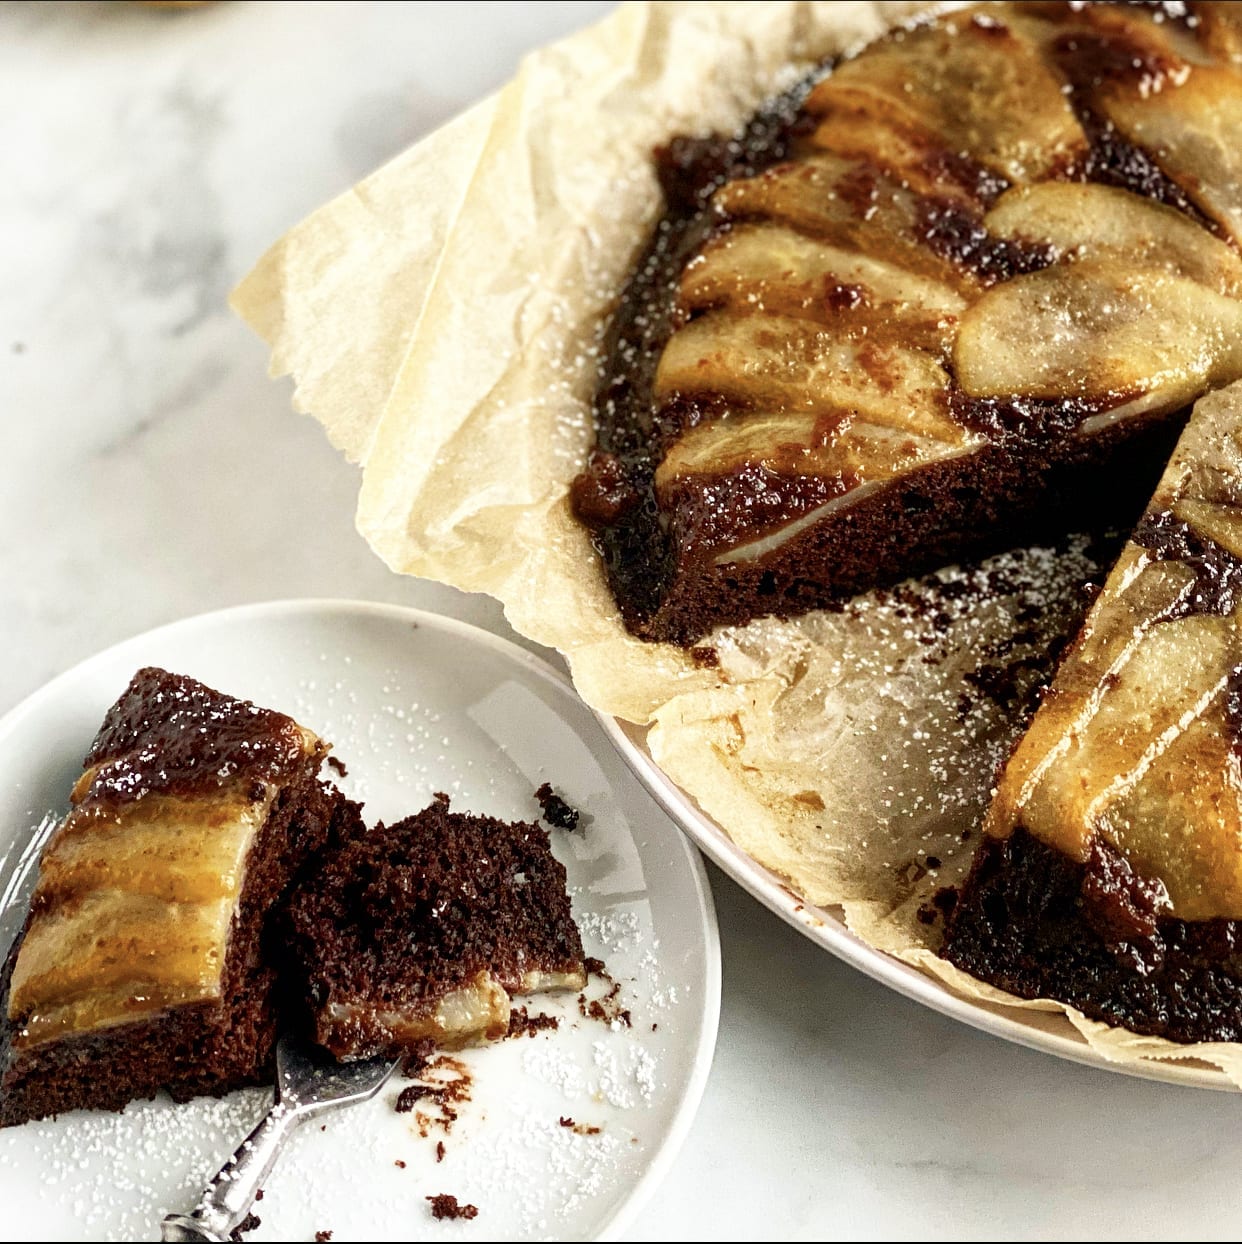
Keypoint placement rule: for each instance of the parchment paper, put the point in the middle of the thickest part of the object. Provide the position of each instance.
(441, 320)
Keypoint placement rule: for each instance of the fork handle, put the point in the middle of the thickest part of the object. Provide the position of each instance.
(228, 1197)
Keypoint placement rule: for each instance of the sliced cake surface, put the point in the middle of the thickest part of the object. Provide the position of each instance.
(1110, 874)
(141, 965)
(421, 930)
(956, 293)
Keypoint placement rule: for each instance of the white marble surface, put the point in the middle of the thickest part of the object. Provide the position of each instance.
(150, 470)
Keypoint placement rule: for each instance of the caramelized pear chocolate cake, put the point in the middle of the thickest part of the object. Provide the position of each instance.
(207, 885)
(956, 293)
(422, 930)
(1110, 873)
(142, 964)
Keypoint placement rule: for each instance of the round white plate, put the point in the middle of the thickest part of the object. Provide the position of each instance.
(414, 704)
(1039, 1030)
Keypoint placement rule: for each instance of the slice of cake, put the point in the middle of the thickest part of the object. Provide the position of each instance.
(955, 295)
(142, 965)
(422, 930)
(1110, 872)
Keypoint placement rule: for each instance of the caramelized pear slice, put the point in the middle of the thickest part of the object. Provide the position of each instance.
(769, 267)
(1086, 221)
(1142, 699)
(1104, 328)
(974, 80)
(850, 204)
(1191, 130)
(774, 363)
(858, 124)
(1158, 822)
(1139, 595)
(1222, 524)
(1220, 31)
(1131, 717)
(798, 443)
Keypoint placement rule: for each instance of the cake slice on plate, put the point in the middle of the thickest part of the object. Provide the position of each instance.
(1110, 873)
(142, 964)
(422, 930)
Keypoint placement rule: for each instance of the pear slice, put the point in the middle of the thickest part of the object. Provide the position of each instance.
(774, 363)
(1172, 678)
(1220, 31)
(1104, 328)
(973, 79)
(1158, 820)
(771, 268)
(1222, 524)
(1140, 702)
(1086, 221)
(859, 124)
(849, 204)
(1191, 130)
(798, 443)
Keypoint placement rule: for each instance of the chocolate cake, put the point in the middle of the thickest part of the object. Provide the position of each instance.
(422, 930)
(142, 964)
(1110, 871)
(947, 296)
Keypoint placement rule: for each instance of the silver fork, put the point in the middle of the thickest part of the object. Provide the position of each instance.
(308, 1083)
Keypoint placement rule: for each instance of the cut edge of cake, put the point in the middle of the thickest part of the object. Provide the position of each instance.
(490, 901)
(1109, 876)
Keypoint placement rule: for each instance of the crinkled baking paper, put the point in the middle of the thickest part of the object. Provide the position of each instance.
(441, 320)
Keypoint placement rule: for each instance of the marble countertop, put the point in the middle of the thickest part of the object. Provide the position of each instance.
(152, 471)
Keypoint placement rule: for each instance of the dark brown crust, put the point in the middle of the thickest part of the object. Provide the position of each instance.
(193, 1050)
(1039, 924)
(409, 912)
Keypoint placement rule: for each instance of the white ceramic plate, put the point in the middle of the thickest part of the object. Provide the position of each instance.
(1039, 1030)
(414, 704)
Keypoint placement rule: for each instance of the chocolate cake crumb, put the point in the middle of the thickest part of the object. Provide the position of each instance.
(705, 657)
(440, 1151)
(335, 762)
(582, 1129)
(250, 1223)
(322, 1236)
(606, 1009)
(441, 1093)
(258, 1196)
(523, 1024)
(409, 1097)
(399, 1163)
(556, 811)
(444, 1205)
(415, 1063)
